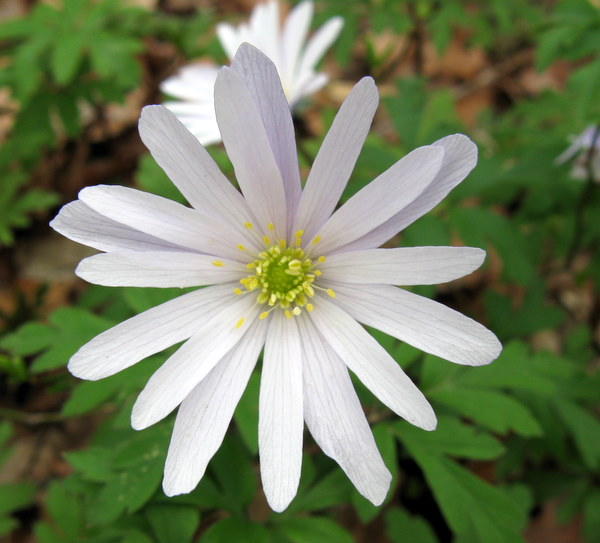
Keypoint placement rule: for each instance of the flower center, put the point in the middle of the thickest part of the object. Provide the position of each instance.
(283, 277)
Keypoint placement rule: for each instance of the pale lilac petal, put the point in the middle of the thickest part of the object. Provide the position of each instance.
(371, 363)
(281, 420)
(164, 219)
(420, 322)
(381, 199)
(158, 269)
(319, 43)
(204, 416)
(336, 158)
(459, 159)
(402, 266)
(146, 334)
(191, 168)
(260, 77)
(249, 150)
(335, 417)
(294, 35)
(216, 335)
(82, 224)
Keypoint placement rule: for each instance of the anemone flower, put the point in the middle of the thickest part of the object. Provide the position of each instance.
(288, 274)
(586, 150)
(295, 59)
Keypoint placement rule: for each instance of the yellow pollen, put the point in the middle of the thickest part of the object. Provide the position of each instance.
(271, 227)
(309, 307)
(317, 272)
(248, 225)
(296, 311)
(240, 322)
(218, 263)
(321, 259)
(241, 247)
(299, 233)
(330, 292)
(237, 291)
(266, 240)
(316, 240)
(263, 315)
(288, 315)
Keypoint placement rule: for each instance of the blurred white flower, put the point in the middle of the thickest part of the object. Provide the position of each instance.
(587, 142)
(287, 46)
(289, 273)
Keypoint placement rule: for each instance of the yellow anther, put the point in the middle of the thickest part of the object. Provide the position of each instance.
(240, 322)
(330, 292)
(218, 263)
(316, 240)
(266, 240)
(237, 291)
(309, 307)
(296, 311)
(241, 247)
(270, 226)
(248, 225)
(299, 233)
(288, 315)
(317, 272)
(263, 315)
(321, 259)
(282, 243)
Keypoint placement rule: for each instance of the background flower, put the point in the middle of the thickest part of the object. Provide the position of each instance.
(587, 142)
(295, 58)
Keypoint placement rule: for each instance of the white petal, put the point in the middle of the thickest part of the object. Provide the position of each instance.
(294, 34)
(193, 82)
(381, 199)
(158, 269)
(260, 77)
(336, 158)
(229, 38)
(280, 423)
(309, 83)
(216, 335)
(164, 219)
(335, 417)
(370, 362)
(191, 168)
(319, 43)
(249, 150)
(82, 224)
(402, 266)
(264, 29)
(421, 322)
(205, 414)
(146, 334)
(459, 159)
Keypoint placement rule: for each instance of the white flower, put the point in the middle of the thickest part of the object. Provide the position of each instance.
(289, 274)
(588, 141)
(295, 59)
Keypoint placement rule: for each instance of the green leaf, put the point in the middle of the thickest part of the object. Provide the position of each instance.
(471, 506)
(331, 489)
(14, 496)
(591, 517)
(585, 429)
(65, 508)
(93, 463)
(451, 437)
(490, 409)
(233, 529)
(402, 527)
(66, 55)
(173, 523)
(313, 529)
(246, 413)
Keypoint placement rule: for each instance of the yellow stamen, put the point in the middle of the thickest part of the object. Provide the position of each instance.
(248, 225)
(241, 247)
(330, 292)
(218, 263)
(288, 315)
(266, 240)
(321, 259)
(240, 322)
(237, 291)
(309, 307)
(263, 315)
(271, 227)
(316, 240)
